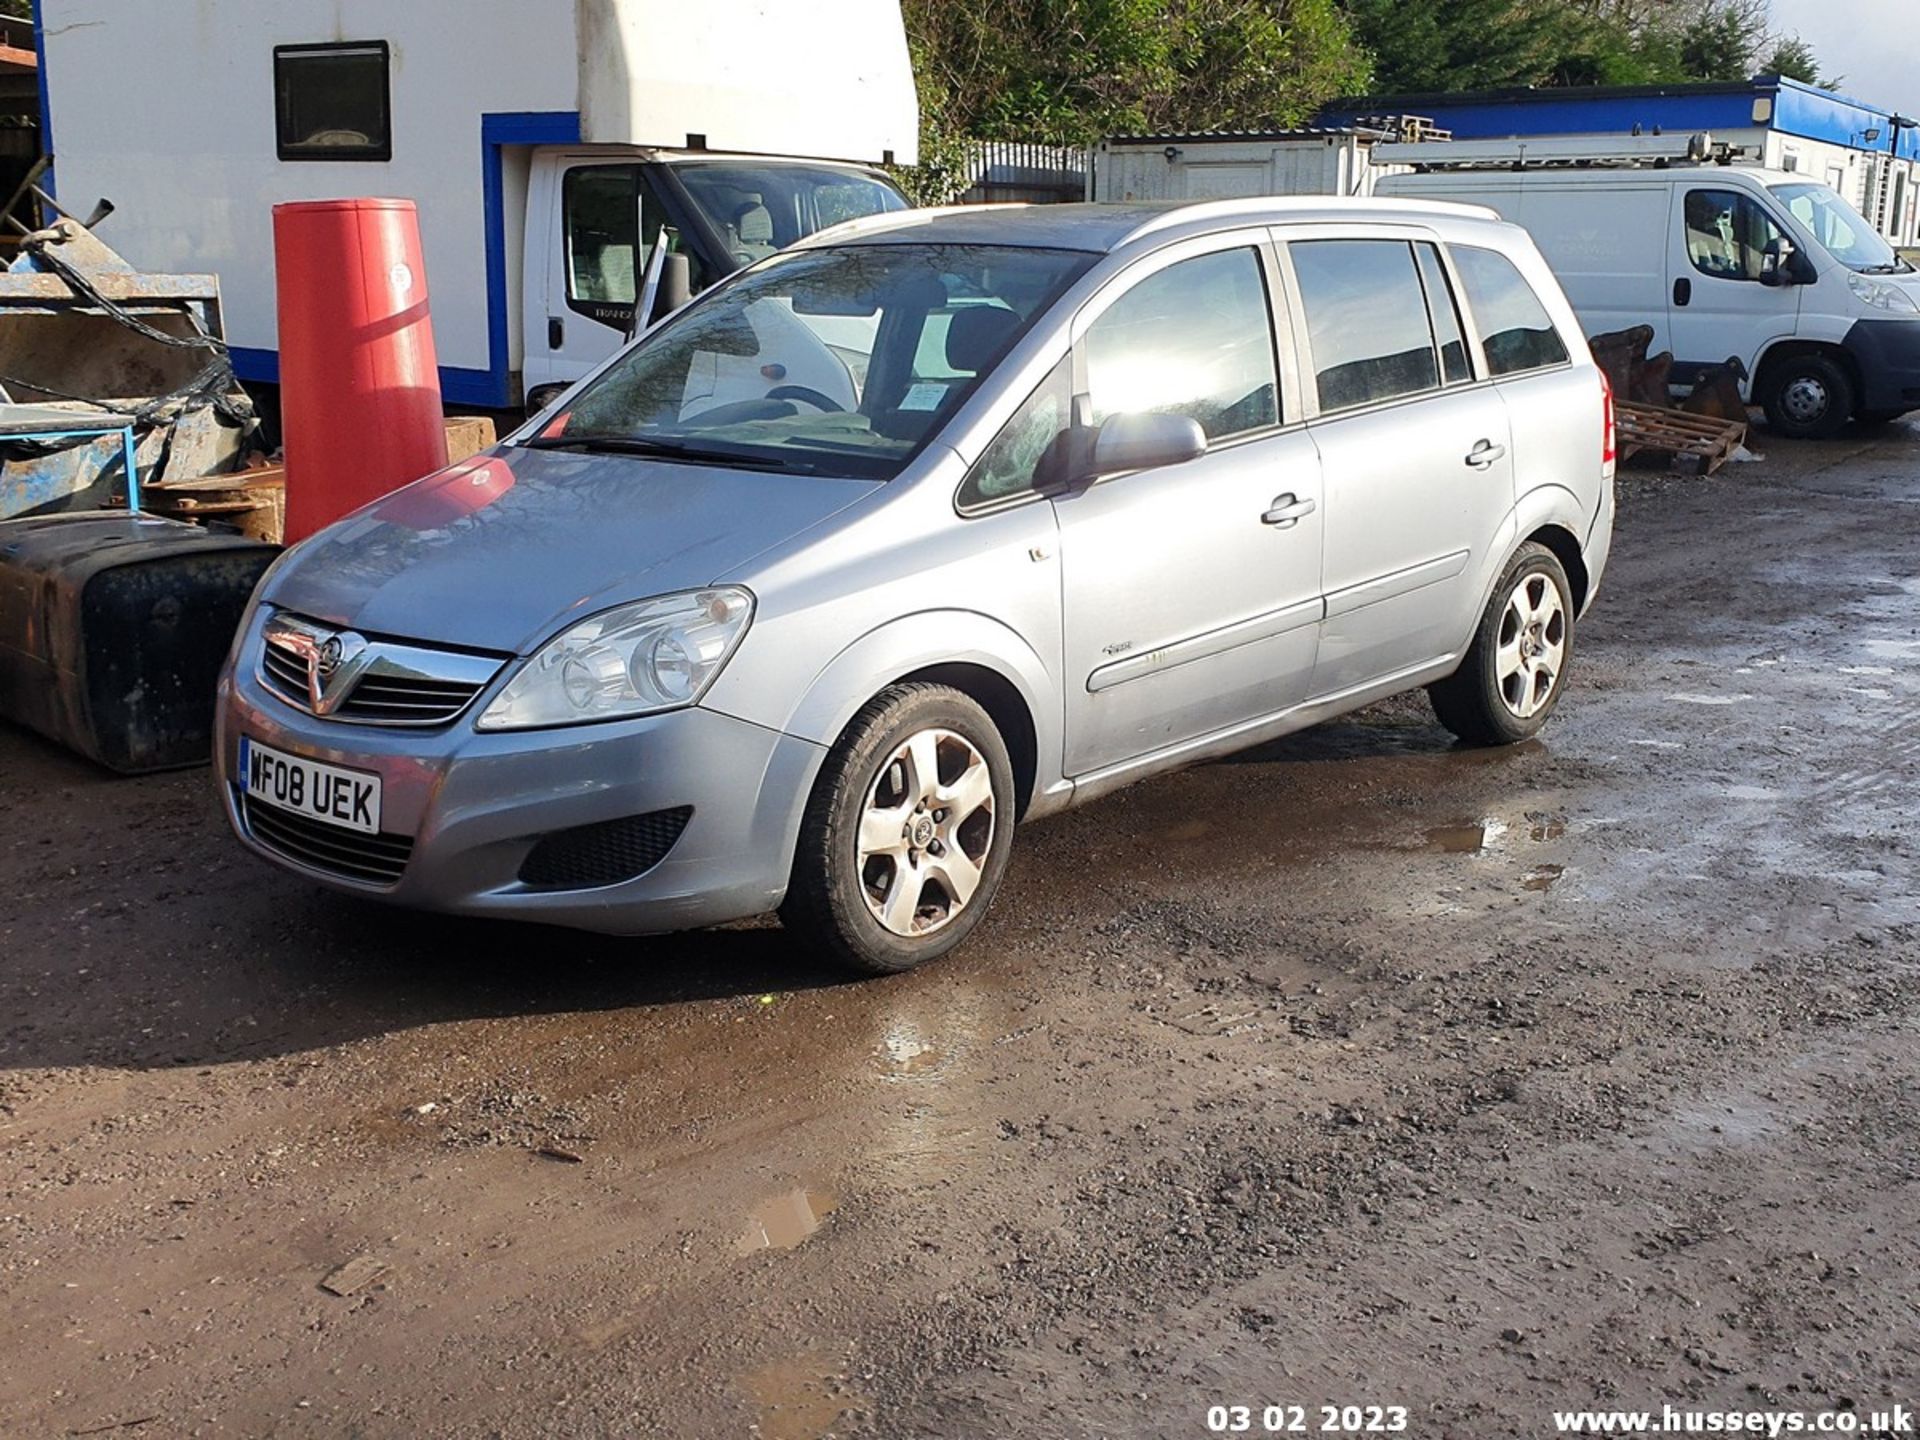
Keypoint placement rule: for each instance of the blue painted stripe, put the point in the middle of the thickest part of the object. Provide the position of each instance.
(46, 105)
(546, 127)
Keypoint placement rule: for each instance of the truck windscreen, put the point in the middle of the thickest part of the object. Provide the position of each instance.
(760, 208)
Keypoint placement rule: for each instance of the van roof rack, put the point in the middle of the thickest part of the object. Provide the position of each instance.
(1560, 152)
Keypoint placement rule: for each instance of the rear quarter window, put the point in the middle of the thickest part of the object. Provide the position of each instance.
(1514, 326)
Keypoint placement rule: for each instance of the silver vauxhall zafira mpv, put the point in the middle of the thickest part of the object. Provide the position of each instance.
(937, 522)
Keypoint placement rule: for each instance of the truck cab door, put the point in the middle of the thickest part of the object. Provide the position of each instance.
(1721, 306)
(599, 219)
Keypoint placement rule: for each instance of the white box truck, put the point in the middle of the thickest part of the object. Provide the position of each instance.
(546, 143)
(1724, 261)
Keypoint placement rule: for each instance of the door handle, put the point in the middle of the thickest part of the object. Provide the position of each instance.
(1287, 512)
(1484, 454)
(556, 333)
(1682, 291)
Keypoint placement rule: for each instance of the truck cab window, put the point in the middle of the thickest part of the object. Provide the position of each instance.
(1728, 234)
(612, 216)
(331, 102)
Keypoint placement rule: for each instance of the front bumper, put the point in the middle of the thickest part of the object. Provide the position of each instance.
(475, 804)
(1887, 353)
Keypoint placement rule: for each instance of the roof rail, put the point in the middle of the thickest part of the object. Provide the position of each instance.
(1529, 153)
(1263, 206)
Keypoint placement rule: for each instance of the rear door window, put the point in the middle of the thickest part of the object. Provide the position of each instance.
(1367, 321)
(1515, 329)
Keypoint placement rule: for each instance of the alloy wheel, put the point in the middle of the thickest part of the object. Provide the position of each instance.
(925, 832)
(1533, 645)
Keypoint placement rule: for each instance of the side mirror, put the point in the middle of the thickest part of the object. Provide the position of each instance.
(1777, 263)
(1145, 441)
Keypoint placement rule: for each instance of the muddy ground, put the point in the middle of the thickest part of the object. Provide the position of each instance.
(1358, 1069)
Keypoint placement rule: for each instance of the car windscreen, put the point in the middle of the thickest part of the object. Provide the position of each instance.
(758, 209)
(1843, 232)
(838, 361)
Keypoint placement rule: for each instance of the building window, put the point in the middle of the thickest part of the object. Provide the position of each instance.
(332, 102)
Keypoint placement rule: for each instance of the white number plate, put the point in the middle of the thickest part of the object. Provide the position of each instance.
(347, 798)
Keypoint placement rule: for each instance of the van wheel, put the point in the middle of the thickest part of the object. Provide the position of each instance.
(907, 833)
(1516, 668)
(1808, 397)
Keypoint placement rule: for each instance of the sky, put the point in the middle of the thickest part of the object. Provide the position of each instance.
(1874, 45)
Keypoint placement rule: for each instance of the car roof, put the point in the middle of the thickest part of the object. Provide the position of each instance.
(1102, 228)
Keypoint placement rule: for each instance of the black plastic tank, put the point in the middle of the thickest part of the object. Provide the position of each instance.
(113, 628)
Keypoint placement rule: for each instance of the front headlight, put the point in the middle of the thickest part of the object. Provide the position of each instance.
(1882, 296)
(633, 660)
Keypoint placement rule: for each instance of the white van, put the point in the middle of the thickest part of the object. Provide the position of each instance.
(1723, 261)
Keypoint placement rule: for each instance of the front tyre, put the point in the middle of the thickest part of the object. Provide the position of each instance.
(1808, 397)
(907, 832)
(1514, 672)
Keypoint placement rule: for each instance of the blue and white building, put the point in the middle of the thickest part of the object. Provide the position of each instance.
(1869, 153)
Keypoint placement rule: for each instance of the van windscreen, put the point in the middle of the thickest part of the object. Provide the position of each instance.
(1843, 232)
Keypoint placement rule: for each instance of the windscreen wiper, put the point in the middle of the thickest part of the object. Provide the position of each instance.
(668, 450)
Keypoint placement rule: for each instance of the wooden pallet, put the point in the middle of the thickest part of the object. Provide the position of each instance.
(1644, 429)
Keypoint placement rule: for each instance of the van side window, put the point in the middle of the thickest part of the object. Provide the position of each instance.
(1728, 234)
(1033, 440)
(1445, 315)
(1194, 339)
(1366, 320)
(1514, 326)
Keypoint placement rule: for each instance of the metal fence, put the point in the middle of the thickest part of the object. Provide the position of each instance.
(1006, 170)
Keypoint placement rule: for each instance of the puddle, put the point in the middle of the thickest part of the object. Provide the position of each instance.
(904, 1053)
(784, 1221)
(1543, 877)
(799, 1399)
(1687, 698)
(1470, 838)
(1751, 792)
(1866, 670)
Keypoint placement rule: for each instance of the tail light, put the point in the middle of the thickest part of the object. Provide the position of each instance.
(1608, 440)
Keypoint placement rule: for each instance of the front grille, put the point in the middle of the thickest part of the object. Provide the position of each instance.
(370, 859)
(389, 700)
(590, 856)
(370, 680)
(285, 673)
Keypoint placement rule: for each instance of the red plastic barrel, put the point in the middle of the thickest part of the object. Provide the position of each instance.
(359, 380)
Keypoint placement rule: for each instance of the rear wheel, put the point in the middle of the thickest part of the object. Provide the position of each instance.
(1514, 672)
(907, 833)
(1808, 397)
